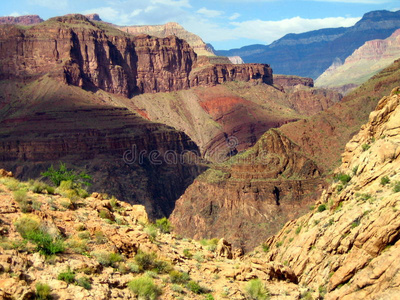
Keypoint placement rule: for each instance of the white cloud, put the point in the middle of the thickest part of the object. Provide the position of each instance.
(209, 13)
(234, 16)
(268, 31)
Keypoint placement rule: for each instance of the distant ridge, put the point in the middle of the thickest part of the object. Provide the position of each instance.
(309, 54)
(21, 20)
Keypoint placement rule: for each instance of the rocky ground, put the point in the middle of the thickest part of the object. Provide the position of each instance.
(347, 247)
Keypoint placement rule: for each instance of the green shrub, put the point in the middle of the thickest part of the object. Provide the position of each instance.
(265, 247)
(68, 276)
(151, 230)
(321, 208)
(209, 297)
(108, 259)
(339, 188)
(278, 244)
(63, 174)
(187, 253)
(179, 277)
(100, 237)
(196, 288)
(365, 147)
(145, 288)
(84, 282)
(256, 290)
(164, 225)
(20, 195)
(298, 229)
(43, 291)
(39, 187)
(145, 261)
(84, 235)
(396, 187)
(385, 180)
(343, 178)
(30, 229)
(355, 169)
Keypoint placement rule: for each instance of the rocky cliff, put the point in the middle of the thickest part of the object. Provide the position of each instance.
(347, 247)
(95, 55)
(21, 20)
(365, 62)
(169, 29)
(261, 188)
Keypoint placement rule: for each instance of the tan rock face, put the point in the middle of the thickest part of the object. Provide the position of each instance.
(345, 249)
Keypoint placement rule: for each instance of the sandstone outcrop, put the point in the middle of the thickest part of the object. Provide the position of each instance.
(346, 248)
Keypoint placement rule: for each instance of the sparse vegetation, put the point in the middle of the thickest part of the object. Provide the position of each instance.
(164, 225)
(63, 174)
(68, 276)
(265, 247)
(84, 282)
(30, 229)
(396, 187)
(256, 290)
(365, 147)
(43, 291)
(195, 287)
(187, 253)
(298, 229)
(145, 288)
(385, 180)
(343, 178)
(108, 259)
(179, 277)
(321, 208)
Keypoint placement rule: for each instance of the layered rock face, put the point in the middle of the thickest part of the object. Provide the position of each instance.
(261, 188)
(22, 20)
(347, 247)
(365, 62)
(88, 56)
(169, 29)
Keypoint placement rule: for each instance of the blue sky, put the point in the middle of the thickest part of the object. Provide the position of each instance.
(225, 24)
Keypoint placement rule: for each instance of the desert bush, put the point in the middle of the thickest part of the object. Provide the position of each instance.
(100, 237)
(43, 291)
(179, 277)
(385, 180)
(265, 247)
(84, 235)
(195, 287)
(68, 276)
(84, 282)
(365, 147)
(256, 290)
(151, 230)
(77, 246)
(343, 178)
(164, 225)
(20, 195)
(63, 174)
(108, 259)
(396, 187)
(321, 208)
(145, 288)
(187, 253)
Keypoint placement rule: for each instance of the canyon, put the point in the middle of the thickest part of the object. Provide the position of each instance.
(309, 54)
